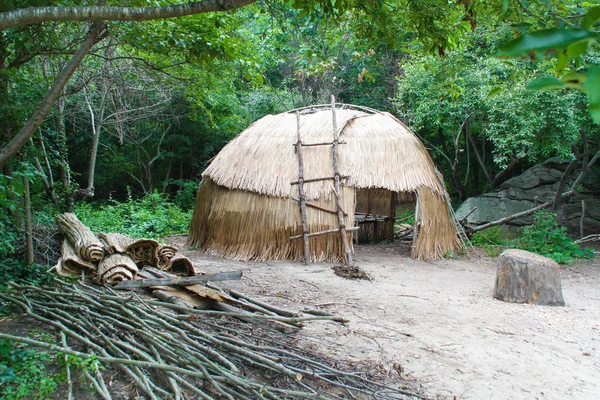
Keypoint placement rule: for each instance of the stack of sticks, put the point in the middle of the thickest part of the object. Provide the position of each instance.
(167, 351)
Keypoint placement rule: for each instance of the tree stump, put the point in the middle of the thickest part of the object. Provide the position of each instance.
(525, 277)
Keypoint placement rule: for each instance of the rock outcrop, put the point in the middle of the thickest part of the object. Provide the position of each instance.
(541, 181)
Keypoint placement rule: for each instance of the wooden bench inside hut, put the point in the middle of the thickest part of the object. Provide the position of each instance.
(375, 213)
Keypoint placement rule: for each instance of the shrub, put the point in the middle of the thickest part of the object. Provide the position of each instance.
(23, 373)
(492, 240)
(185, 198)
(549, 239)
(152, 216)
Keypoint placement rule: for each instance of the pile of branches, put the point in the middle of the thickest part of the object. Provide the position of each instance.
(172, 352)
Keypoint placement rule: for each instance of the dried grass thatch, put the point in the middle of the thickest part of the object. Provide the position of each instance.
(243, 225)
(244, 207)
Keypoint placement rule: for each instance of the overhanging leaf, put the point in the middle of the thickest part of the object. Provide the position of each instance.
(577, 49)
(545, 83)
(545, 40)
(592, 84)
(494, 92)
(591, 17)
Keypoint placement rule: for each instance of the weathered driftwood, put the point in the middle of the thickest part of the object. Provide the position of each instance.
(525, 277)
(71, 264)
(116, 268)
(85, 243)
(183, 298)
(191, 280)
(589, 238)
(198, 296)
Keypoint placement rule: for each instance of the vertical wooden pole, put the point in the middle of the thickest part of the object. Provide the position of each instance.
(301, 194)
(416, 225)
(582, 218)
(28, 226)
(337, 184)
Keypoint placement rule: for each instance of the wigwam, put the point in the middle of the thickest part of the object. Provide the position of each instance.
(247, 203)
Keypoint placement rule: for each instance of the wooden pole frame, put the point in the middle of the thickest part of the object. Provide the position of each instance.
(301, 194)
(337, 185)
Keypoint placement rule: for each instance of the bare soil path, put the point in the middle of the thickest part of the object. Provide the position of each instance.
(437, 323)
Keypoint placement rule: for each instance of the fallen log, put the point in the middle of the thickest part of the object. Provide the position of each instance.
(191, 280)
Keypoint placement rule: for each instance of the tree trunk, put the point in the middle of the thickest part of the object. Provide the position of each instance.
(47, 179)
(59, 84)
(167, 175)
(524, 277)
(64, 169)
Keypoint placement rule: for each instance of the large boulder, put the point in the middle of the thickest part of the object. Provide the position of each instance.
(525, 277)
(540, 181)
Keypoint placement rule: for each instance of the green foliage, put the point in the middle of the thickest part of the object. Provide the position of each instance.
(12, 264)
(547, 238)
(185, 198)
(492, 240)
(152, 216)
(567, 45)
(404, 215)
(467, 91)
(23, 373)
(544, 237)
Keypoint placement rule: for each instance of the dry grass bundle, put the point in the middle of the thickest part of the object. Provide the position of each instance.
(437, 233)
(247, 226)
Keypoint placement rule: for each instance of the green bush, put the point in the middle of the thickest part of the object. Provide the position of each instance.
(152, 216)
(185, 198)
(492, 240)
(23, 373)
(549, 239)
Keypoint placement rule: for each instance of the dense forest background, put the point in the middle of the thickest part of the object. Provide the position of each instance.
(153, 101)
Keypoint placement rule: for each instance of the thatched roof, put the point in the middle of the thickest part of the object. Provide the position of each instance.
(380, 152)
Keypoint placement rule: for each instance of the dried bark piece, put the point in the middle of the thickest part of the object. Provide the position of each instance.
(180, 265)
(71, 264)
(85, 243)
(116, 268)
(164, 254)
(143, 252)
(116, 242)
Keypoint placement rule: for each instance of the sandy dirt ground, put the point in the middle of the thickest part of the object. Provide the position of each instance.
(438, 323)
